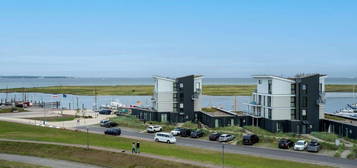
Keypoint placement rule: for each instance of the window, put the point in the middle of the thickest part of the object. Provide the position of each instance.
(293, 114)
(269, 101)
(292, 102)
(303, 112)
(269, 113)
(269, 86)
(304, 88)
(181, 85)
(260, 81)
(181, 105)
(163, 117)
(304, 101)
(293, 89)
(259, 100)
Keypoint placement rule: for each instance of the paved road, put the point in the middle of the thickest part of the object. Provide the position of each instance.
(256, 151)
(44, 161)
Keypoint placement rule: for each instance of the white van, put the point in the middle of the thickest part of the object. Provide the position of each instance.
(164, 137)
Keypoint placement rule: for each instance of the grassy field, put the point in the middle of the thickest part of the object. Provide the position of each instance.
(27, 132)
(12, 109)
(213, 90)
(11, 164)
(55, 118)
(91, 156)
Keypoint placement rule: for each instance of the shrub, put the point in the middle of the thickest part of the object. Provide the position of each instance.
(325, 136)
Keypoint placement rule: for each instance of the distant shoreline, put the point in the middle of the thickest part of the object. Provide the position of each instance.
(35, 77)
(146, 90)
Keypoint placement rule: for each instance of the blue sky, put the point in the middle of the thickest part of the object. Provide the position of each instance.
(219, 38)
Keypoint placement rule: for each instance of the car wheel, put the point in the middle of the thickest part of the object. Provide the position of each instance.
(168, 142)
(156, 140)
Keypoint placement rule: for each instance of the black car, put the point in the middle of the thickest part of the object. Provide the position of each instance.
(214, 136)
(105, 112)
(285, 144)
(197, 134)
(112, 131)
(185, 132)
(250, 139)
(108, 124)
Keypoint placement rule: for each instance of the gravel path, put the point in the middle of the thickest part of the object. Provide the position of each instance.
(44, 161)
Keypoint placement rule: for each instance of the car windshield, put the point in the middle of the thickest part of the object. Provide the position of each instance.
(177, 129)
(299, 143)
(313, 144)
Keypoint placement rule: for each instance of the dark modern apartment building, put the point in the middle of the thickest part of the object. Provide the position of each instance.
(174, 99)
(288, 104)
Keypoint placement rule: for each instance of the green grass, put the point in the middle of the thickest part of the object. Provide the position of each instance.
(325, 136)
(27, 132)
(353, 153)
(91, 156)
(331, 117)
(12, 164)
(213, 90)
(12, 109)
(129, 121)
(339, 88)
(55, 118)
(208, 109)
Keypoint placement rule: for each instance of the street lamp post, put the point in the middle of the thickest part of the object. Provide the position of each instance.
(222, 155)
(87, 139)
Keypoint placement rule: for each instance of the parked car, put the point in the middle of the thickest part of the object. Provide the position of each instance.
(250, 139)
(185, 132)
(164, 137)
(285, 144)
(113, 131)
(197, 134)
(108, 124)
(214, 136)
(176, 131)
(313, 146)
(225, 137)
(105, 112)
(300, 145)
(153, 128)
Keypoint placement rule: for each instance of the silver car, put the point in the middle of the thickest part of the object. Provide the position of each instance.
(225, 138)
(313, 146)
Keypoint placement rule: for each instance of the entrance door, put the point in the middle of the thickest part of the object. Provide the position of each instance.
(303, 129)
(163, 117)
(216, 123)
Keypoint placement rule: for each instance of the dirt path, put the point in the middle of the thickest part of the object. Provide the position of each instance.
(120, 151)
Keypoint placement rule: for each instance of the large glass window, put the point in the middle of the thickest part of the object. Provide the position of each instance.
(269, 101)
(269, 113)
(269, 86)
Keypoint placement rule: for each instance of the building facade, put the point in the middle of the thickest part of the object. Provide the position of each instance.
(288, 104)
(174, 100)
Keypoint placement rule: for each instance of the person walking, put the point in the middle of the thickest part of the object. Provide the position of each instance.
(133, 148)
(138, 147)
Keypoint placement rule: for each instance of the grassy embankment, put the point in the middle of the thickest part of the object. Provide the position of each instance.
(213, 90)
(11, 164)
(63, 117)
(12, 109)
(91, 156)
(27, 132)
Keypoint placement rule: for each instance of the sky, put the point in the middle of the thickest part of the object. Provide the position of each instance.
(141, 38)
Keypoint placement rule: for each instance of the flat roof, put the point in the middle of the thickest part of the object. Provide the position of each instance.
(273, 77)
(219, 113)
